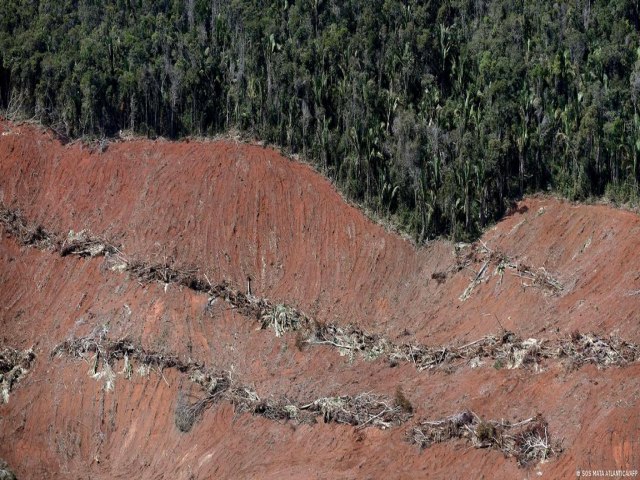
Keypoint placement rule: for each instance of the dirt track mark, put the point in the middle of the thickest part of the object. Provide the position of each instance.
(527, 441)
(505, 350)
(102, 353)
(280, 318)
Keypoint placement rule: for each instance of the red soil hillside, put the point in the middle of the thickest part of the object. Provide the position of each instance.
(235, 210)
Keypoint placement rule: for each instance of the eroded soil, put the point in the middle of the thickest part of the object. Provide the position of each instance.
(549, 271)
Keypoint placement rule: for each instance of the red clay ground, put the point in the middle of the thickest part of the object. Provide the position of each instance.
(235, 210)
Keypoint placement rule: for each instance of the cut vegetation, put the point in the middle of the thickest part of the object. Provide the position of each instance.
(528, 441)
(14, 366)
(504, 350)
(102, 354)
(496, 263)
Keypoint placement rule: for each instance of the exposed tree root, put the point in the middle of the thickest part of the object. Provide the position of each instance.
(14, 365)
(528, 440)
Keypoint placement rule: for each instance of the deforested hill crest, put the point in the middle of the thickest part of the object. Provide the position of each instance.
(319, 239)
(218, 301)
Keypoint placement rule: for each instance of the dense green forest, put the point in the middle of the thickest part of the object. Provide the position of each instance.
(436, 114)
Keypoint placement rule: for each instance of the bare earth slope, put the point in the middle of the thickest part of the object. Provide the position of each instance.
(232, 210)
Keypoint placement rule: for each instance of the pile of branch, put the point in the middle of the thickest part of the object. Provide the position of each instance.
(539, 278)
(277, 410)
(528, 441)
(581, 349)
(362, 410)
(282, 318)
(481, 254)
(161, 272)
(278, 317)
(107, 352)
(83, 244)
(504, 351)
(350, 341)
(214, 385)
(187, 413)
(5, 471)
(247, 305)
(25, 233)
(165, 272)
(14, 365)
(103, 353)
